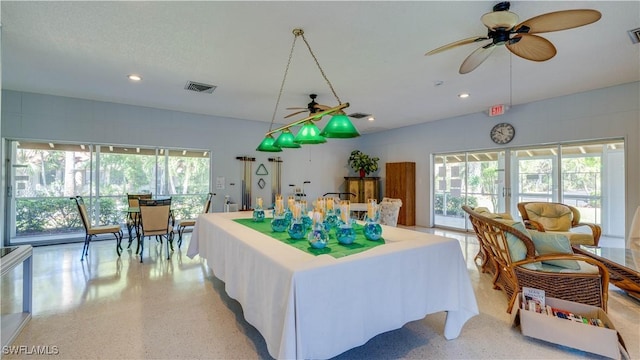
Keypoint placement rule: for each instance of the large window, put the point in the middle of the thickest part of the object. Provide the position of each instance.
(587, 175)
(43, 177)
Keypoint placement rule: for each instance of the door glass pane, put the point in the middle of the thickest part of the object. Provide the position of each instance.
(486, 180)
(534, 175)
(582, 178)
(450, 189)
(588, 171)
(44, 177)
(122, 170)
(188, 181)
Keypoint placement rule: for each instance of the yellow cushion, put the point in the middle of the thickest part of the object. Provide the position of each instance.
(188, 222)
(104, 229)
(576, 238)
(553, 217)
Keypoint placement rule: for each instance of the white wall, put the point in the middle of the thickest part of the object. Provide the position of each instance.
(29, 116)
(604, 113)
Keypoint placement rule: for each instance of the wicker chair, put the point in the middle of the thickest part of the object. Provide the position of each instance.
(155, 220)
(192, 222)
(389, 211)
(558, 218)
(510, 276)
(91, 231)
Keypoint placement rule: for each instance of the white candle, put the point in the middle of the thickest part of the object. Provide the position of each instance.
(344, 212)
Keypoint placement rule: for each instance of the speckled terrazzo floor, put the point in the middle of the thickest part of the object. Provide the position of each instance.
(110, 308)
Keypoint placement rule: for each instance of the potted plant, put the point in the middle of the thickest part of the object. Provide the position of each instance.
(363, 163)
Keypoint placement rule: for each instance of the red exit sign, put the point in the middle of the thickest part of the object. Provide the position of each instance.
(496, 110)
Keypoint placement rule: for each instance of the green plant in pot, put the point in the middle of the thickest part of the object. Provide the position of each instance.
(363, 163)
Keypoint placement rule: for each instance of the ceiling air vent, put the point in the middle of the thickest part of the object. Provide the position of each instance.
(359, 115)
(634, 35)
(199, 87)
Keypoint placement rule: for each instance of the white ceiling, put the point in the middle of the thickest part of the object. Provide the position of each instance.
(372, 53)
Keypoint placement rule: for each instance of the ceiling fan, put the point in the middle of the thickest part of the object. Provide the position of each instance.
(520, 39)
(312, 107)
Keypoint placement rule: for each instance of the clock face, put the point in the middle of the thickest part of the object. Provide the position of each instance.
(502, 133)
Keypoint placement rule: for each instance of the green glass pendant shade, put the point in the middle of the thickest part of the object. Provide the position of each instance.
(267, 145)
(340, 127)
(309, 134)
(286, 140)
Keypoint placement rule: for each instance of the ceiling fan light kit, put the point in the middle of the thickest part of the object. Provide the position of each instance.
(520, 39)
(338, 127)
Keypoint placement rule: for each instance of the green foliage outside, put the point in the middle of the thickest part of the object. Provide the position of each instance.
(60, 215)
(453, 206)
(50, 177)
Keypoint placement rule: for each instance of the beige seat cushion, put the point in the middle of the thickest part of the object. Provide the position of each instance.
(553, 217)
(576, 238)
(187, 222)
(496, 216)
(94, 230)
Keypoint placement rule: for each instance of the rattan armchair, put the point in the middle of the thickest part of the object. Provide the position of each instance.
(511, 276)
(183, 224)
(559, 218)
(91, 231)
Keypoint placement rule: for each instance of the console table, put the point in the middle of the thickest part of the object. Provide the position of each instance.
(11, 257)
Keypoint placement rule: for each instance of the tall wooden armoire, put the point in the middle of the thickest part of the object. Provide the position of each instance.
(364, 188)
(401, 184)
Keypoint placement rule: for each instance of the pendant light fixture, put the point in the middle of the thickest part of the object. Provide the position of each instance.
(338, 127)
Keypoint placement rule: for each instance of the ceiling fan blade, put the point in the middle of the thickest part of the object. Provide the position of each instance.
(321, 107)
(295, 113)
(476, 58)
(531, 47)
(558, 20)
(457, 43)
(499, 19)
(297, 108)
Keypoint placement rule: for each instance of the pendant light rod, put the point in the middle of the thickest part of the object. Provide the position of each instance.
(301, 33)
(284, 78)
(312, 117)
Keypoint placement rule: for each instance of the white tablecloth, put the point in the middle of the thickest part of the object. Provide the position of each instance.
(311, 307)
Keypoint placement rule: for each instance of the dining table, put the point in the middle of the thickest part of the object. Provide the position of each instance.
(310, 305)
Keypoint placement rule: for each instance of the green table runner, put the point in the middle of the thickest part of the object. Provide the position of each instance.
(333, 248)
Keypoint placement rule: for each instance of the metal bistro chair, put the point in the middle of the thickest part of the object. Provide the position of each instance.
(155, 220)
(133, 219)
(91, 231)
(192, 222)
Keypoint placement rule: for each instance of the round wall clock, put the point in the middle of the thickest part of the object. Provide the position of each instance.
(502, 133)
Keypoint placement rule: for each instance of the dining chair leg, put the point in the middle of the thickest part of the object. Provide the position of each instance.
(180, 232)
(140, 246)
(119, 235)
(129, 229)
(168, 253)
(85, 247)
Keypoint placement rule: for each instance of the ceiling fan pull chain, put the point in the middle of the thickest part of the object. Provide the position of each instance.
(320, 68)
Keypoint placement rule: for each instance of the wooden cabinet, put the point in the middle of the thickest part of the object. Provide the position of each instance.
(364, 188)
(401, 184)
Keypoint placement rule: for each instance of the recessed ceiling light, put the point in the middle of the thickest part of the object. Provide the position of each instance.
(134, 77)
(463, 95)
(371, 118)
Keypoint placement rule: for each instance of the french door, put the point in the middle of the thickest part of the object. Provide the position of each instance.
(587, 175)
